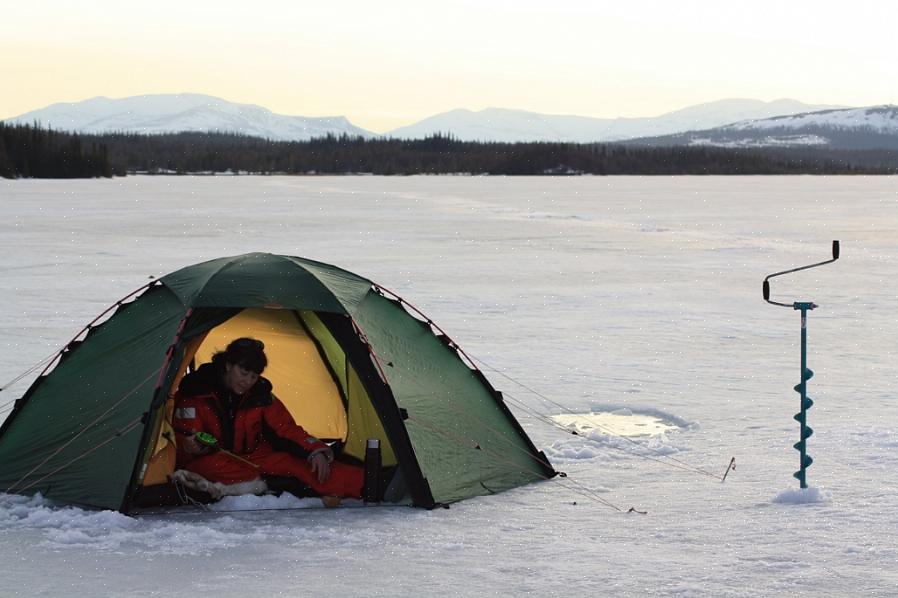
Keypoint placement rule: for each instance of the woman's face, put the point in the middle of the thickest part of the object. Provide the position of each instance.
(238, 378)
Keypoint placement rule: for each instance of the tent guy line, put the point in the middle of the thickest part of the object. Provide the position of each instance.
(678, 463)
(96, 421)
(26, 372)
(118, 433)
(50, 359)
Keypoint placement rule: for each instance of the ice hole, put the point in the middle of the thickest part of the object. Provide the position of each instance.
(619, 423)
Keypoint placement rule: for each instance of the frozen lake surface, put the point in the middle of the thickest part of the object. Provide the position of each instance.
(614, 296)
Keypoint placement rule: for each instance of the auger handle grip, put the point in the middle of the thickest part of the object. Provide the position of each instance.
(766, 286)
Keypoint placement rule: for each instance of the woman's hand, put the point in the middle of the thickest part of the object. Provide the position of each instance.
(321, 464)
(194, 446)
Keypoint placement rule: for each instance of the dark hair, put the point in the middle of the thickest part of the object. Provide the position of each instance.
(245, 352)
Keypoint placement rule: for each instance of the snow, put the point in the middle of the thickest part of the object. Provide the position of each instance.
(801, 496)
(629, 295)
(768, 141)
(173, 113)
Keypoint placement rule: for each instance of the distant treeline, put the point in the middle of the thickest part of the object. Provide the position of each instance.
(27, 151)
(31, 152)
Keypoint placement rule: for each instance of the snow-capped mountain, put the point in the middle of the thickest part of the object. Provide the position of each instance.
(169, 113)
(172, 113)
(874, 127)
(498, 124)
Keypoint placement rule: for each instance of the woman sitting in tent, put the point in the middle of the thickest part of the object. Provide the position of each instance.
(255, 436)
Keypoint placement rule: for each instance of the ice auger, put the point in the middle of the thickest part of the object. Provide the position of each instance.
(806, 374)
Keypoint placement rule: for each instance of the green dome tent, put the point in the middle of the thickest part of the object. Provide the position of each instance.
(351, 360)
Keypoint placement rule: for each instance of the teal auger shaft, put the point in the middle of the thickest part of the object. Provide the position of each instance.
(802, 388)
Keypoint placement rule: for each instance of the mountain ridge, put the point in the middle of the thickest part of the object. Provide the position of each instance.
(509, 125)
(168, 113)
(185, 112)
(866, 128)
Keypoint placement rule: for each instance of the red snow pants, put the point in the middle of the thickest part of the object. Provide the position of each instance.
(344, 480)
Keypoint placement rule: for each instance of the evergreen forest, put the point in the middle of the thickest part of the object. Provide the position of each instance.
(28, 151)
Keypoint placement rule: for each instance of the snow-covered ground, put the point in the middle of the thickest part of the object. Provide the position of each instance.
(618, 296)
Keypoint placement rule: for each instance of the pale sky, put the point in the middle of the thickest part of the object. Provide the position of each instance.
(391, 63)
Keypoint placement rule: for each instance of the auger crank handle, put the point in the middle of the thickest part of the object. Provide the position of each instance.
(765, 289)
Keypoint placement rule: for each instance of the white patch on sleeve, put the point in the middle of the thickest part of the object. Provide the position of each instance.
(185, 413)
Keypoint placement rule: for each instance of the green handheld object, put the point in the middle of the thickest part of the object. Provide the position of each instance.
(211, 441)
(205, 438)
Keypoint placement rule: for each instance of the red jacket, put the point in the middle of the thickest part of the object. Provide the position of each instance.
(242, 424)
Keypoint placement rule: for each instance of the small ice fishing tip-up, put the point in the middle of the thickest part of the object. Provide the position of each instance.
(801, 417)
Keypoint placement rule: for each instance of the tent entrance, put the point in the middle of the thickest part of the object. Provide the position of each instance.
(309, 372)
(301, 378)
